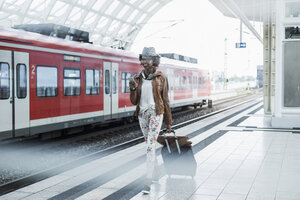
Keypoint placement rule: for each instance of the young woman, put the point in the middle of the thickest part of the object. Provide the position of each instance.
(149, 92)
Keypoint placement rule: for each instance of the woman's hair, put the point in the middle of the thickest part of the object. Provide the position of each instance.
(155, 60)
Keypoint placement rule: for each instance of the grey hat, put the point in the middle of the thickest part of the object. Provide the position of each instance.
(149, 51)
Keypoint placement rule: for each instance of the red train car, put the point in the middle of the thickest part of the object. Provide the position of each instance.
(49, 83)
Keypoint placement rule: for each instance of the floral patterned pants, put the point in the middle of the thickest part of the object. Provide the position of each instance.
(150, 124)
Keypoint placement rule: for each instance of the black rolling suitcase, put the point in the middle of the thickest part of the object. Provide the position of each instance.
(178, 156)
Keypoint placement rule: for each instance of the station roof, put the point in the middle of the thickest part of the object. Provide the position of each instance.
(246, 11)
(111, 23)
(254, 10)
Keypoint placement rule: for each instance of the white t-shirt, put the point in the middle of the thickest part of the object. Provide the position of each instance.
(147, 99)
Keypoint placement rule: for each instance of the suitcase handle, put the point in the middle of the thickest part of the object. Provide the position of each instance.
(167, 143)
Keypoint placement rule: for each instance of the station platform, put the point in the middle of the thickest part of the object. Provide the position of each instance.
(239, 156)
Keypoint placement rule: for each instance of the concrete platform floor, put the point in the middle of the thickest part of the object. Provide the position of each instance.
(239, 156)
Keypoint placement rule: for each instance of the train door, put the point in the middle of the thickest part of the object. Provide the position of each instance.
(111, 96)
(14, 93)
(170, 75)
(6, 98)
(195, 88)
(21, 79)
(115, 92)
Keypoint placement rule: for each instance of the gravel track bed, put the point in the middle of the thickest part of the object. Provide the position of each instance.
(16, 163)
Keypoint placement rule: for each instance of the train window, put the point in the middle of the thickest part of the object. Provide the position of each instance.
(203, 83)
(183, 83)
(189, 82)
(46, 81)
(199, 81)
(171, 81)
(21, 81)
(195, 82)
(177, 82)
(71, 82)
(114, 82)
(125, 82)
(4, 81)
(92, 80)
(107, 82)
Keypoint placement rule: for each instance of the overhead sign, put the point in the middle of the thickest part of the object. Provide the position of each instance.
(240, 45)
(72, 58)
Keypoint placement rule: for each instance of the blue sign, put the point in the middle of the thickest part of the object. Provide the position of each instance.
(240, 45)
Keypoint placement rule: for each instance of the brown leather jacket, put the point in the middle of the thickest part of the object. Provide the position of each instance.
(160, 88)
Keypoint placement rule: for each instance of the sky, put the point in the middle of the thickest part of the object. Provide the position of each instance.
(197, 29)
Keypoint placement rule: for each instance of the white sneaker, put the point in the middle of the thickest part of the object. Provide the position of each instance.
(146, 189)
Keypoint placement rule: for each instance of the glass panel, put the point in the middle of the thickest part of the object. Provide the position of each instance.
(71, 87)
(132, 1)
(97, 81)
(123, 82)
(92, 82)
(59, 8)
(46, 81)
(183, 83)
(177, 82)
(189, 82)
(292, 9)
(123, 11)
(114, 82)
(107, 82)
(141, 18)
(89, 81)
(21, 81)
(195, 82)
(144, 3)
(123, 86)
(132, 15)
(292, 32)
(71, 73)
(199, 86)
(203, 82)
(127, 88)
(172, 82)
(98, 5)
(291, 74)
(72, 82)
(112, 7)
(4, 81)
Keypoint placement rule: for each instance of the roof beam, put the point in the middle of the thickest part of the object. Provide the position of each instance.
(48, 9)
(236, 11)
(132, 34)
(89, 5)
(116, 30)
(1, 3)
(65, 17)
(25, 7)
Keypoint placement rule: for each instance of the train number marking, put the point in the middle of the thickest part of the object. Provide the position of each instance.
(33, 70)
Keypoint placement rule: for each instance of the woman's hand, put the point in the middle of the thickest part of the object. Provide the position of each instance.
(168, 127)
(132, 84)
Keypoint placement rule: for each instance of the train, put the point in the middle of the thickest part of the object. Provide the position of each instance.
(259, 76)
(49, 83)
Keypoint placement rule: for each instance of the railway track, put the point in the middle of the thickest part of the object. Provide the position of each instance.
(95, 144)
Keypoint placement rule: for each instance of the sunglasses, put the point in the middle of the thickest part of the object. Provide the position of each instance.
(145, 58)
